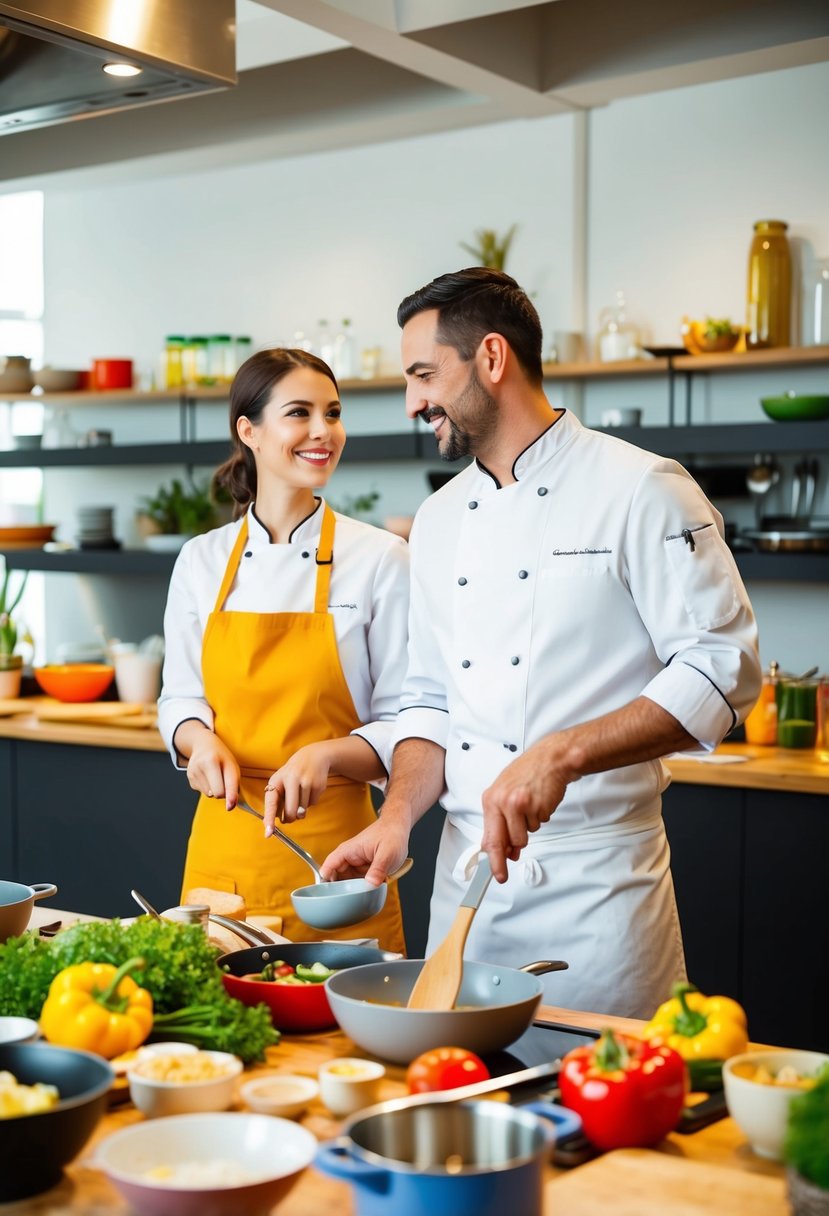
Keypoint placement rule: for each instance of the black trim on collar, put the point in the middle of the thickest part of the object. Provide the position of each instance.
(484, 469)
(318, 501)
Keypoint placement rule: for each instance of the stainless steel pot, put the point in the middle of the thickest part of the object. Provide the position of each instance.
(16, 904)
(789, 541)
(494, 1007)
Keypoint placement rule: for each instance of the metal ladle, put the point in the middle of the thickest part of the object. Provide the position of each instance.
(333, 905)
(760, 478)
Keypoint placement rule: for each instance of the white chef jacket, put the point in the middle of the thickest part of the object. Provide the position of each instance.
(368, 601)
(600, 575)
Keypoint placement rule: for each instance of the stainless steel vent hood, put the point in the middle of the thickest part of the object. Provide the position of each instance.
(52, 55)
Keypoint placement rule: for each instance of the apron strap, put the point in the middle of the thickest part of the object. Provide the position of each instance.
(232, 565)
(325, 560)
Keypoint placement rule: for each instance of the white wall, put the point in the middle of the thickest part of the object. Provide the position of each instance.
(676, 181)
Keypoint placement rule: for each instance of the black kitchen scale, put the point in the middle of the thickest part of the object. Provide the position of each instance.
(548, 1041)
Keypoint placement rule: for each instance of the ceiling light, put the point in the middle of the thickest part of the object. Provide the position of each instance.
(122, 69)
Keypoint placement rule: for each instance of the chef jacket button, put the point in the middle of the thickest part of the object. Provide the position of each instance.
(465, 663)
(248, 553)
(305, 553)
(522, 574)
(513, 747)
(465, 747)
(461, 581)
(541, 491)
(472, 505)
(515, 660)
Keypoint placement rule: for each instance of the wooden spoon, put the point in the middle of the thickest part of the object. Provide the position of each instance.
(439, 982)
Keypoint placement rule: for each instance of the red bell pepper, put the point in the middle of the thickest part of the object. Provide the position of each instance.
(628, 1093)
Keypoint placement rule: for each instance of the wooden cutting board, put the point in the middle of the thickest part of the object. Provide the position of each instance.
(14, 705)
(640, 1182)
(99, 713)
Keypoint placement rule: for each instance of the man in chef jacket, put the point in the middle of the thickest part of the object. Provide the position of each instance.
(575, 615)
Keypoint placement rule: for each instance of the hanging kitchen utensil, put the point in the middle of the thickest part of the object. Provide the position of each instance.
(761, 477)
(439, 982)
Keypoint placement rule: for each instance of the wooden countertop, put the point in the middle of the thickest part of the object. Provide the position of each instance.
(739, 765)
(710, 1173)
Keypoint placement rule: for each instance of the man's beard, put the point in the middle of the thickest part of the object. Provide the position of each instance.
(478, 402)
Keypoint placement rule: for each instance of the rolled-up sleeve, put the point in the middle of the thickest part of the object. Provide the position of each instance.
(690, 596)
(182, 694)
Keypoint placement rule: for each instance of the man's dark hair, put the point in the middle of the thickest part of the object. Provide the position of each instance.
(477, 301)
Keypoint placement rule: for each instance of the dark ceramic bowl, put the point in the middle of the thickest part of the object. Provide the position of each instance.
(295, 1008)
(35, 1148)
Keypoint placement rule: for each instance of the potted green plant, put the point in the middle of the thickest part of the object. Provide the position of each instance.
(490, 249)
(805, 1150)
(178, 511)
(11, 632)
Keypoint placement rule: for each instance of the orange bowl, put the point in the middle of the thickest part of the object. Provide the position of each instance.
(75, 681)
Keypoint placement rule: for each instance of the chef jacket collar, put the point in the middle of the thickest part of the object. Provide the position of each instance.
(537, 453)
(305, 532)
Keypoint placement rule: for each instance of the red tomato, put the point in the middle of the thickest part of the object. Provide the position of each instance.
(445, 1068)
(285, 969)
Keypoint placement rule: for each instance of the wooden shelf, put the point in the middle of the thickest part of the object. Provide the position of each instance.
(750, 360)
(738, 438)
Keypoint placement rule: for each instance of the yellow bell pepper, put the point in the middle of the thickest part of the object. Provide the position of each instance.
(97, 1007)
(699, 1027)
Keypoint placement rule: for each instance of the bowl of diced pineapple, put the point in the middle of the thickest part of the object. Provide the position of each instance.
(51, 1100)
(759, 1087)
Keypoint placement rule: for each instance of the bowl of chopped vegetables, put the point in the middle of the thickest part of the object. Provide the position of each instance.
(51, 1100)
(183, 1082)
(290, 979)
(759, 1087)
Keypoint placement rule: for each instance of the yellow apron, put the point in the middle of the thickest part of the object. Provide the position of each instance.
(275, 683)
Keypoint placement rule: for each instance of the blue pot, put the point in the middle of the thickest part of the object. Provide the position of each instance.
(447, 1159)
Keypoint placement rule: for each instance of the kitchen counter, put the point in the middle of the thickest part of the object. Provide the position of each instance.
(712, 1171)
(735, 765)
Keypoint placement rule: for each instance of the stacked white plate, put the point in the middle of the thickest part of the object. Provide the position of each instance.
(95, 528)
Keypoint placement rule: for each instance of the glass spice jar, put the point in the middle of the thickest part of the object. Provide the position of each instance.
(769, 292)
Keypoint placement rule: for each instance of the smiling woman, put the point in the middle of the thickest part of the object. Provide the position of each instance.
(286, 643)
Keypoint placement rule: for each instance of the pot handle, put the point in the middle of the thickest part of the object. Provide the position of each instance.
(545, 965)
(42, 890)
(334, 1157)
(565, 1123)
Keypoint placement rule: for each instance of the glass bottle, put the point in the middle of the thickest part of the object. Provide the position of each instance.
(817, 305)
(220, 358)
(324, 342)
(617, 339)
(769, 294)
(243, 350)
(761, 723)
(173, 347)
(344, 356)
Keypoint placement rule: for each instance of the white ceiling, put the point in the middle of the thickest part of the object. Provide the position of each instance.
(319, 74)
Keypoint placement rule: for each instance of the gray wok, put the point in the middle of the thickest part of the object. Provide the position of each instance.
(369, 1004)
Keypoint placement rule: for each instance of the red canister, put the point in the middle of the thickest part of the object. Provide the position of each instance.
(111, 373)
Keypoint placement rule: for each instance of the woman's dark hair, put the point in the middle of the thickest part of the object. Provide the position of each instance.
(250, 392)
(478, 301)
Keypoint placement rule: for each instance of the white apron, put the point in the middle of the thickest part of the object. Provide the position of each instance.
(603, 901)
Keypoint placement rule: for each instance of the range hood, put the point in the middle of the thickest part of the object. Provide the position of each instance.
(53, 52)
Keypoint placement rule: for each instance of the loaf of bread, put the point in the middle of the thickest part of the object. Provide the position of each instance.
(223, 903)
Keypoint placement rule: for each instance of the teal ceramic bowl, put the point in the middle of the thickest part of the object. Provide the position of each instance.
(793, 407)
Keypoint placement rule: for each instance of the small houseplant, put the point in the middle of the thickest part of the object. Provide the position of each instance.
(490, 249)
(181, 509)
(805, 1150)
(11, 663)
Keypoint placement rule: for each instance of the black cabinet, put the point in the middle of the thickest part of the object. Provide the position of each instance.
(97, 822)
(749, 867)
